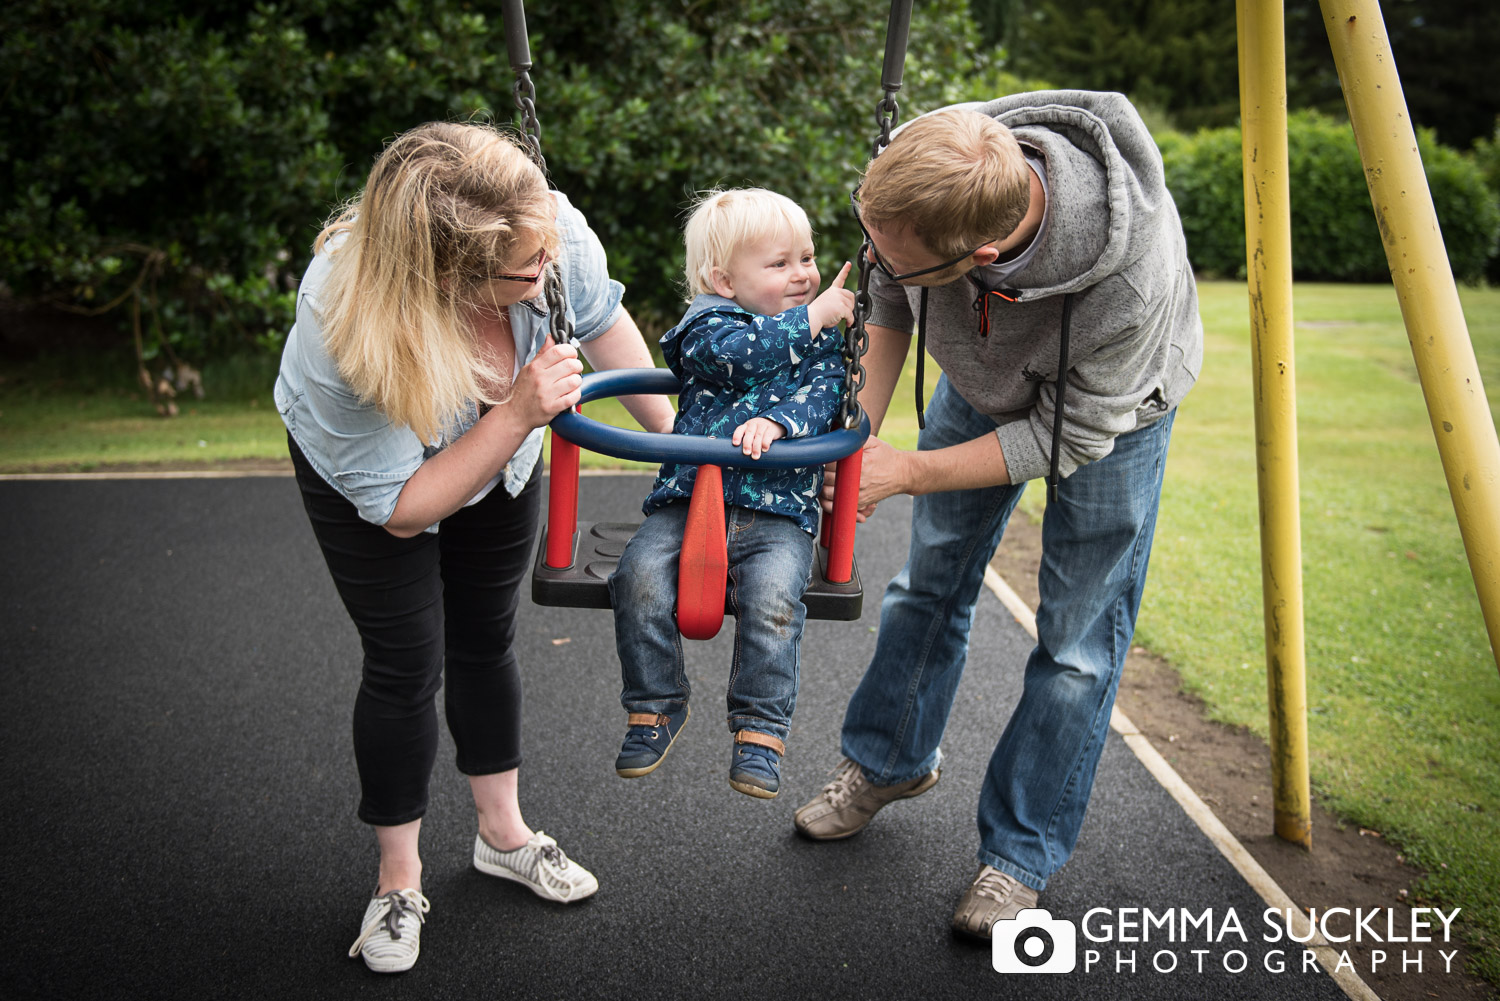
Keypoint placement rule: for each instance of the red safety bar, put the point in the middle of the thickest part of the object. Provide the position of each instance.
(703, 565)
(838, 536)
(562, 502)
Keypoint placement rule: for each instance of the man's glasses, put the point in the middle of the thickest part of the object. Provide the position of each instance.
(530, 279)
(875, 255)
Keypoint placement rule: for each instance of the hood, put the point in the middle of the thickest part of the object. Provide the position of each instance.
(1077, 132)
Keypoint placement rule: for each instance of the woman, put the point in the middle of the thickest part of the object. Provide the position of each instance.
(414, 385)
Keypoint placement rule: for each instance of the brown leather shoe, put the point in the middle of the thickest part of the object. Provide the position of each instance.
(847, 803)
(992, 896)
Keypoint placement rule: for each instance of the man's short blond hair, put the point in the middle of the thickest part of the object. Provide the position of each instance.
(724, 221)
(956, 179)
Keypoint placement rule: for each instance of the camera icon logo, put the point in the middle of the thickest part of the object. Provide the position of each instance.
(1034, 942)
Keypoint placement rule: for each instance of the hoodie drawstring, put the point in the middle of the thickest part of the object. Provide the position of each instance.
(921, 356)
(981, 306)
(1062, 386)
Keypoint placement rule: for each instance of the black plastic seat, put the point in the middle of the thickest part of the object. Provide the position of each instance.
(597, 548)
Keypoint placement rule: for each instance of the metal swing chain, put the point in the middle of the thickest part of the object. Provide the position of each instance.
(887, 112)
(524, 92)
(855, 346)
(518, 48)
(557, 305)
(552, 287)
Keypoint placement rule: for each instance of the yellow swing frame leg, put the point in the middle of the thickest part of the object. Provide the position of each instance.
(1268, 243)
(1435, 325)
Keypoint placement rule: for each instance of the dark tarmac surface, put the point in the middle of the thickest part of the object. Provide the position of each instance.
(178, 681)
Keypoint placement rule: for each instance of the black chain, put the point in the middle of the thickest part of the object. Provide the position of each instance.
(552, 285)
(858, 343)
(557, 305)
(525, 94)
(886, 113)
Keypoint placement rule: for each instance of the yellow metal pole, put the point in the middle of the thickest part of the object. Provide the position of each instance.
(1435, 324)
(1268, 251)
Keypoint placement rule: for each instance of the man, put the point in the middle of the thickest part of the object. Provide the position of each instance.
(1038, 239)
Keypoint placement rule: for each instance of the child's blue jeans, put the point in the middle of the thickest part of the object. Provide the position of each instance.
(770, 564)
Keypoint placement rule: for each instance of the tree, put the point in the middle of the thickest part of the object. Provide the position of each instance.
(1176, 55)
(172, 161)
(1441, 48)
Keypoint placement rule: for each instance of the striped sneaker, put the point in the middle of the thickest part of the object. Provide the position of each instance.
(539, 864)
(391, 934)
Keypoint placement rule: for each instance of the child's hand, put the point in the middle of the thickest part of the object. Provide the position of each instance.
(755, 435)
(833, 305)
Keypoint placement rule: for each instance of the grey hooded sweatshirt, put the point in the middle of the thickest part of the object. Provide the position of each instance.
(1112, 238)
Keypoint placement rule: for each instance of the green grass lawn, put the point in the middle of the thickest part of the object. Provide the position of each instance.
(78, 414)
(1403, 691)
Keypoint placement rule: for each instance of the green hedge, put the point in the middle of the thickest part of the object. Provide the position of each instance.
(1487, 159)
(1334, 235)
(178, 158)
(181, 156)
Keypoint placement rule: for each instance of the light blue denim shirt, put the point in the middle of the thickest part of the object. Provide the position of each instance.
(354, 446)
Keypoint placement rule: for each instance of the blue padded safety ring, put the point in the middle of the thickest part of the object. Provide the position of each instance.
(643, 446)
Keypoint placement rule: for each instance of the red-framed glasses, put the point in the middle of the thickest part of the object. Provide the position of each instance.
(531, 279)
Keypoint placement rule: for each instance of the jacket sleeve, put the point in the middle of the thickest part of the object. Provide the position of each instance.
(812, 406)
(740, 351)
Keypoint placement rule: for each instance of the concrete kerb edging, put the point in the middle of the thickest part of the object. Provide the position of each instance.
(1227, 844)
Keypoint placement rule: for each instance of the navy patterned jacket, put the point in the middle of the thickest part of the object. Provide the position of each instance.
(735, 365)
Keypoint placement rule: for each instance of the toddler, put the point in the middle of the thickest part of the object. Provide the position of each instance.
(760, 359)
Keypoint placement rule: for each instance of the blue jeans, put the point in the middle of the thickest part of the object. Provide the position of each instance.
(770, 564)
(1096, 540)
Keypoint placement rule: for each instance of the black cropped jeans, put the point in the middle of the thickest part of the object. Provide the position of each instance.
(432, 611)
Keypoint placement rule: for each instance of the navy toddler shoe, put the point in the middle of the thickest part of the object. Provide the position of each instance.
(755, 765)
(647, 741)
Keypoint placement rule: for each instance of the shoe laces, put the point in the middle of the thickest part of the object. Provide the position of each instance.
(640, 738)
(548, 850)
(996, 885)
(848, 780)
(393, 906)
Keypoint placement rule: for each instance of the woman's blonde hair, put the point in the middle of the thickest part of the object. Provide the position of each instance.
(956, 179)
(446, 206)
(724, 221)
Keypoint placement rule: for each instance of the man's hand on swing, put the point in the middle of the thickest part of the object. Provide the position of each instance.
(884, 472)
(755, 435)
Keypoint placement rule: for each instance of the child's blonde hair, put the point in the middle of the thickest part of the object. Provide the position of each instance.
(724, 221)
(446, 205)
(957, 179)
